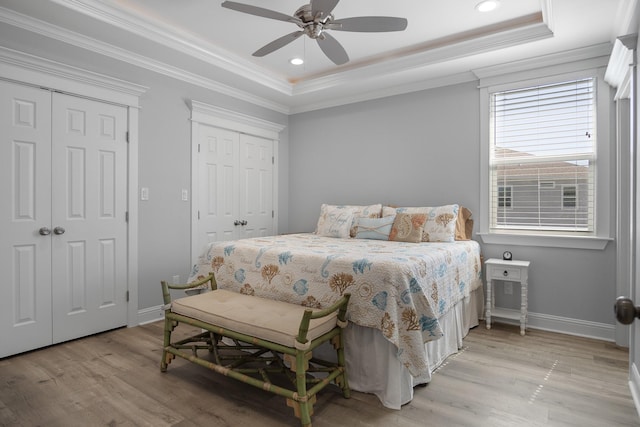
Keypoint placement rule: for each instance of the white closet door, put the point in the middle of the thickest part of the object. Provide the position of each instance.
(89, 175)
(25, 188)
(235, 186)
(218, 192)
(256, 186)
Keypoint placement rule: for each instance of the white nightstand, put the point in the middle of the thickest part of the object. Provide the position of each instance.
(511, 271)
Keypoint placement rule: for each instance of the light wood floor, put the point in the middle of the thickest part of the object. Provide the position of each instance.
(498, 379)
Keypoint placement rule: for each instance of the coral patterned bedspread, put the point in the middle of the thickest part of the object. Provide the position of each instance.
(399, 288)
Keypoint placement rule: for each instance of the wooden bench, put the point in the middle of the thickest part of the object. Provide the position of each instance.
(263, 336)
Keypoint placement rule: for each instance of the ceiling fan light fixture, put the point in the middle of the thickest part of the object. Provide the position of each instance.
(296, 61)
(487, 5)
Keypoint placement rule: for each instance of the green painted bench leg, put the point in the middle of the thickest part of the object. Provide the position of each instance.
(342, 381)
(166, 356)
(301, 380)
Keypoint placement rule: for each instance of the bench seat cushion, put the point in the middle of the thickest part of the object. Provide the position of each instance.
(271, 320)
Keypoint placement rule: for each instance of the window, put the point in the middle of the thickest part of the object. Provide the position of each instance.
(569, 195)
(504, 196)
(540, 135)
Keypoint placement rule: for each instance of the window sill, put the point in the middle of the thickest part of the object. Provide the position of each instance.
(549, 241)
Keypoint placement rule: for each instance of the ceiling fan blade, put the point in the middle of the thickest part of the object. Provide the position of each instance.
(369, 24)
(324, 6)
(277, 43)
(259, 11)
(333, 49)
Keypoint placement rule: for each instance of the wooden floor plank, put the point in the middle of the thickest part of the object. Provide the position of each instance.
(498, 379)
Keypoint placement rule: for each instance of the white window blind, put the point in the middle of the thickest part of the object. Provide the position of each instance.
(541, 135)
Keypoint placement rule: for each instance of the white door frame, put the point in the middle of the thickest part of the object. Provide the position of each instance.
(32, 70)
(205, 114)
(622, 74)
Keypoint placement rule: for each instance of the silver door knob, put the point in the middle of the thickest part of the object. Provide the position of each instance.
(625, 311)
(243, 222)
(44, 231)
(58, 230)
(236, 222)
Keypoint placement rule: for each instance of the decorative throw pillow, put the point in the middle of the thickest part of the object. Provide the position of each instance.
(441, 221)
(367, 211)
(408, 227)
(441, 224)
(336, 223)
(374, 228)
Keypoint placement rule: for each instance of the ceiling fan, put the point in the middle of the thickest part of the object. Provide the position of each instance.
(314, 19)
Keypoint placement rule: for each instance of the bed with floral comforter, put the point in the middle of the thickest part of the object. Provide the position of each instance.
(398, 288)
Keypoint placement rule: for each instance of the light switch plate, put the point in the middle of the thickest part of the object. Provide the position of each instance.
(144, 193)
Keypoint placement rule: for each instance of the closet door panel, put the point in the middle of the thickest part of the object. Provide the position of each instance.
(256, 183)
(25, 188)
(89, 175)
(218, 190)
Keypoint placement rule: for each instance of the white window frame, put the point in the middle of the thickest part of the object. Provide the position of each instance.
(601, 235)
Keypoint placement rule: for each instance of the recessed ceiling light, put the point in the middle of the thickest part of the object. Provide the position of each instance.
(487, 5)
(296, 61)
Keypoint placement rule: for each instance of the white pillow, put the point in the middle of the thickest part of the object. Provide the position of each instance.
(336, 223)
(368, 211)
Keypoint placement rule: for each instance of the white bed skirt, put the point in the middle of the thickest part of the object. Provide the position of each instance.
(371, 360)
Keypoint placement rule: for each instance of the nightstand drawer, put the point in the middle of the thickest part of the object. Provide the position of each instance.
(505, 273)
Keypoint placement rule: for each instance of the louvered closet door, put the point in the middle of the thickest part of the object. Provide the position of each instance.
(25, 188)
(89, 172)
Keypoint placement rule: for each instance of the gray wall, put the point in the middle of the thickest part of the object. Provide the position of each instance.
(415, 149)
(422, 149)
(165, 168)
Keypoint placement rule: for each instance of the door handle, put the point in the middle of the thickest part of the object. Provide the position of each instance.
(44, 231)
(59, 230)
(626, 311)
(236, 222)
(243, 222)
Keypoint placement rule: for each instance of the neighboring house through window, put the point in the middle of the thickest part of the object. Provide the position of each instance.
(504, 196)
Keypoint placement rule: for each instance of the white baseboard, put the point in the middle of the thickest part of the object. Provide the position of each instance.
(151, 314)
(565, 325)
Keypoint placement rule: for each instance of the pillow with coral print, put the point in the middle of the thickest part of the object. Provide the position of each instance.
(408, 227)
(441, 224)
(336, 223)
(441, 221)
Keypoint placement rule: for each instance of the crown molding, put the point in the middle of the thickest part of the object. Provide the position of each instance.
(66, 36)
(222, 117)
(30, 69)
(623, 57)
(441, 51)
(595, 56)
(423, 84)
(180, 41)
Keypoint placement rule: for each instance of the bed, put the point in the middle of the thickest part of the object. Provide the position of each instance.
(411, 303)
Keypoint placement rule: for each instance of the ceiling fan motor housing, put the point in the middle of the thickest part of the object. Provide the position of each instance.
(312, 25)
